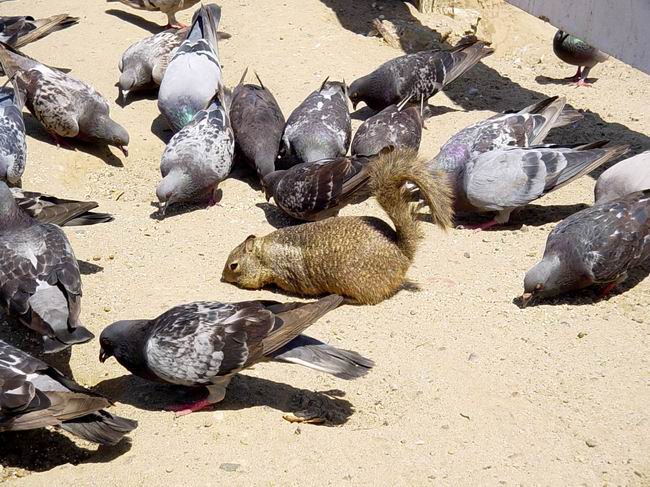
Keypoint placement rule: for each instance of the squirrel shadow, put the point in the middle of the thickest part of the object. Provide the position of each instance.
(244, 392)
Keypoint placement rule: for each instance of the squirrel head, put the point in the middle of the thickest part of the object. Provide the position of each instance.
(244, 267)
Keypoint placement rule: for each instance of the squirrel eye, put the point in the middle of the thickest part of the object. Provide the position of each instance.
(234, 266)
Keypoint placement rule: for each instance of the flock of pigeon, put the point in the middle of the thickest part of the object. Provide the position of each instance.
(497, 165)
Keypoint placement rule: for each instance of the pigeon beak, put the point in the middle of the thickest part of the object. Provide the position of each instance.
(162, 207)
(354, 105)
(526, 299)
(122, 95)
(124, 149)
(103, 355)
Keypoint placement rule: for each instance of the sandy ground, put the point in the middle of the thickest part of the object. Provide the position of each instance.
(467, 389)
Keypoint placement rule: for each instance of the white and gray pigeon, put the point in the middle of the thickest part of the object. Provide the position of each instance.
(65, 106)
(35, 395)
(595, 246)
(394, 128)
(416, 76)
(13, 143)
(207, 343)
(502, 180)
(40, 283)
(628, 176)
(577, 52)
(198, 158)
(143, 64)
(18, 31)
(320, 127)
(168, 7)
(45, 208)
(193, 75)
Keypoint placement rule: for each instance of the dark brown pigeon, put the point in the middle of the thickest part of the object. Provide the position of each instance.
(39, 277)
(597, 245)
(34, 395)
(207, 343)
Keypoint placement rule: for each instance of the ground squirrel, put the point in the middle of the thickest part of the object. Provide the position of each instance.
(361, 258)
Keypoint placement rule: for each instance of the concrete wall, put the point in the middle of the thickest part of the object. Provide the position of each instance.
(618, 27)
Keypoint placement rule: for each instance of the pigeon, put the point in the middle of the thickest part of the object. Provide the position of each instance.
(18, 31)
(417, 76)
(206, 343)
(257, 123)
(316, 190)
(502, 180)
(168, 7)
(597, 245)
(197, 158)
(524, 128)
(35, 395)
(394, 128)
(625, 177)
(13, 144)
(144, 63)
(39, 277)
(193, 75)
(320, 128)
(67, 107)
(50, 209)
(574, 51)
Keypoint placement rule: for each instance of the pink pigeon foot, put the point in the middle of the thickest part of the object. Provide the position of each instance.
(483, 226)
(584, 83)
(185, 409)
(61, 142)
(607, 290)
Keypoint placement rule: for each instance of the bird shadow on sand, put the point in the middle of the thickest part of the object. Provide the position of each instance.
(276, 217)
(35, 129)
(137, 96)
(42, 450)
(244, 392)
(484, 88)
(546, 80)
(244, 173)
(160, 128)
(135, 20)
(530, 215)
(177, 209)
(88, 269)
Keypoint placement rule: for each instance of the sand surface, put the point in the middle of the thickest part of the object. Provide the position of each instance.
(468, 388)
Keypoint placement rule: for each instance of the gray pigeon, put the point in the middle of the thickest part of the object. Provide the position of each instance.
(625, 177)
(197, 158)
(50, 209)
(207, 343)
(168, 7)
(39, 277)
(320, 127)
(575, 51)
(505, 179)
(13, 144)
(257, 123)
(66, 106)
(416, 76)
(316, 190)
(21, 30)
(34, 395)
(394, 128)
(144, 63)
(597, 245)
(193, 75)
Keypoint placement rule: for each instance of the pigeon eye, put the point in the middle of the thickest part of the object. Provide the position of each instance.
(234, 266)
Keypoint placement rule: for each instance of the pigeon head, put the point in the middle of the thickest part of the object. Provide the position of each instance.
(355, 92)
(174, 188)
(105, 129)
(126, 341)
(270, 183)
(127, 82)
(551, 277)
(244, 267)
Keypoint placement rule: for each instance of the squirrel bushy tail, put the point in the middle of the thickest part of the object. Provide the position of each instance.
(388, 174)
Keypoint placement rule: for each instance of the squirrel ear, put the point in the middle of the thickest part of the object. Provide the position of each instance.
(250, 242)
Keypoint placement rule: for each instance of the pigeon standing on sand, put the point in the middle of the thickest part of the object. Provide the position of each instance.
(39, 277)
(257, 123)
(575, 51)
(505, 179)
(50, 209)
(34, 395)
(207, 343)
(394, 128)
(597, 245)
(19, 31)
(197, 158)
(168, 7)
(625, 177)
(416, 76)
(66, 106)
(193, 75)
(316, 190)
(13, 144)
(144, 63)
(320, 127)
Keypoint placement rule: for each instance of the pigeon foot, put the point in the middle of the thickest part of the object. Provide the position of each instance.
(185, 409)
(482, 226)
(584, 83)
(608, 289)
